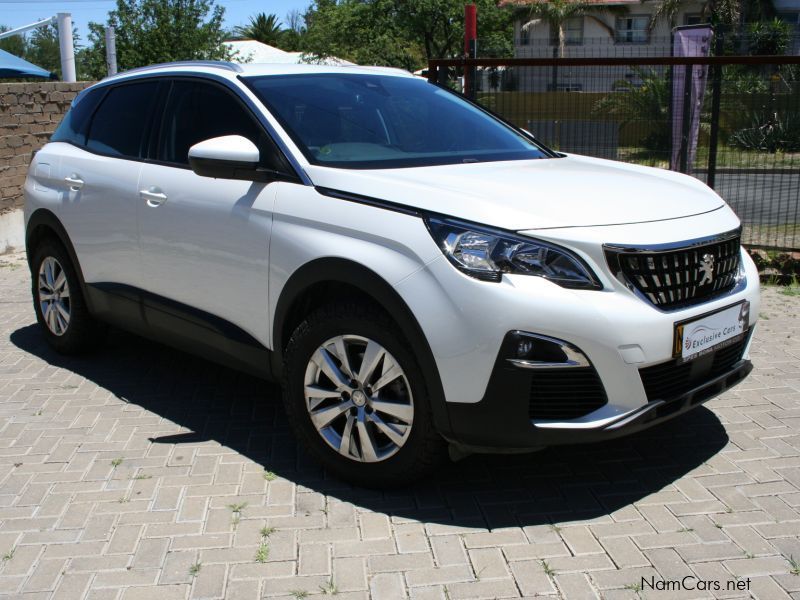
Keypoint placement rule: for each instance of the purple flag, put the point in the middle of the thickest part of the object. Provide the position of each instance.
(694, 40)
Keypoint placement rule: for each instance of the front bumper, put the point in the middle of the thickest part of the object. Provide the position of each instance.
(624, 337)
(501, 421)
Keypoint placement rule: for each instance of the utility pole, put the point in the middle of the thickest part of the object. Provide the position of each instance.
(66, 46)
(470, 47)
(111, 51)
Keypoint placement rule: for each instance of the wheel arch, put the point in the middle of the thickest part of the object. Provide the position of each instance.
(326, 279)
(42, 224)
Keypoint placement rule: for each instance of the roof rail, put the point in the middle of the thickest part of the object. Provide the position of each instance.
(217, 64)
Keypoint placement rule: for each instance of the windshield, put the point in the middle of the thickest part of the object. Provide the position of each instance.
(381, 121)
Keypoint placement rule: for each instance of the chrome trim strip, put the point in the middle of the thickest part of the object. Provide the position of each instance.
(673, 246)
(575, 358)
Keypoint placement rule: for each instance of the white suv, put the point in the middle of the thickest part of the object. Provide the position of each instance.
(416, 271)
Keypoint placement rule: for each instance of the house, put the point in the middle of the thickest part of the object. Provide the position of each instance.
(610, 28)
(251, 51)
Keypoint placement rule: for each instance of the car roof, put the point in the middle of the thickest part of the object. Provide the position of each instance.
(232, 70)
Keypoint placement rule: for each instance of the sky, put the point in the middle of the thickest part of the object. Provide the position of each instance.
(16, 13)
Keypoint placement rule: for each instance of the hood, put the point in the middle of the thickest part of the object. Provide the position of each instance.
(574, 191)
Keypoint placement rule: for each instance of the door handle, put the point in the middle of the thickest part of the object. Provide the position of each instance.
(75, 182)
(153, 196)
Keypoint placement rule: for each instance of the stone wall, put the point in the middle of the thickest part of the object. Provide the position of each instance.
(29, 112)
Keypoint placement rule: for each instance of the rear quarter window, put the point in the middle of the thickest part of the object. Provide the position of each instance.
(75, 124)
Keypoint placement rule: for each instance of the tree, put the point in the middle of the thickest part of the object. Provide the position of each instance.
(363, 31)
(439, 26)
(13, 45)
(262, 28)
(402, 33)
(730, 13)
(556, 13)
(154, 31)
(43, 48)
(293, 34)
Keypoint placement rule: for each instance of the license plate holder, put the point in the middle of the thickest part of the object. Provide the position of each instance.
(711, 331)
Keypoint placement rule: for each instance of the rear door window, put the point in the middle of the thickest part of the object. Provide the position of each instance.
(120, 125)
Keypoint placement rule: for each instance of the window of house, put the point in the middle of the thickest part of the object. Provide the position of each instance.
(573, 32)
(120, 124)
(693, 19)
(632, 29)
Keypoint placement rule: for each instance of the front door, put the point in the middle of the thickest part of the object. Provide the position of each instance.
(204, 241)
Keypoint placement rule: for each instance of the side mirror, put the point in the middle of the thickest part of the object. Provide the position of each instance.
(226, 157)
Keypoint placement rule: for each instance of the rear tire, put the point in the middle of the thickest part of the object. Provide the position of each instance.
(366, 417)
(59, 303)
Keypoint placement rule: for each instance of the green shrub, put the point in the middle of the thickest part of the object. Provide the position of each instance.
(647, 102)
(769, 132)
(768, 37)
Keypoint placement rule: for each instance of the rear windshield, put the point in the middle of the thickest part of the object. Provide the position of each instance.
(381, 121)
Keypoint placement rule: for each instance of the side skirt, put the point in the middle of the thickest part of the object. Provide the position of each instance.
(180, 326)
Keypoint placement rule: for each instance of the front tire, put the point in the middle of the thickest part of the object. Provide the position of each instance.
(356, 397)
(58, 301)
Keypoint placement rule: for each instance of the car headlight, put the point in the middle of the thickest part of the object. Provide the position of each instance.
(486, 254)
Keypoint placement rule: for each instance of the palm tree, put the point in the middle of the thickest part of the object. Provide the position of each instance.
(262, 28)
(556, 13)
(723, 12)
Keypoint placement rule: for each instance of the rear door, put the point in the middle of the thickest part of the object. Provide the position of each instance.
(205, 241)
(98, 176)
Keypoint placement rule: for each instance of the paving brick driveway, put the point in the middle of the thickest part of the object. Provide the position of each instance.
(141, 472)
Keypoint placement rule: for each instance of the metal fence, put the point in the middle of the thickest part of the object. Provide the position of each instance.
(730, 43)
(744, 141)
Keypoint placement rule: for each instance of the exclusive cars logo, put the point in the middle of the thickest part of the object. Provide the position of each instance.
(701, 336)
(706, 268)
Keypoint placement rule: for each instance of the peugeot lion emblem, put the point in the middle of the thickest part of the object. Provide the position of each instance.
(706, 267)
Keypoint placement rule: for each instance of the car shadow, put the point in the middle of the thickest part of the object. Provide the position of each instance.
(245, 414)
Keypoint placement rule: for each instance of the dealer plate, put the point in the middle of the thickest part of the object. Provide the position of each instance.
(712, 331)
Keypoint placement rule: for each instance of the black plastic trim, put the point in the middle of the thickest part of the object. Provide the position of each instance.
(179, 325)
(500, 419)
(370, 201)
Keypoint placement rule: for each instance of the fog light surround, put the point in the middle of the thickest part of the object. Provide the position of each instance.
(534, 351)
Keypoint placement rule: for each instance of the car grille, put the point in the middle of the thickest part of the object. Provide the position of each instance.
(682, 276)
(565, 393)
(670, 380)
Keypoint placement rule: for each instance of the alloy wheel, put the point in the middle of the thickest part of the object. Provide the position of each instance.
(54, 298)
(358, 398)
